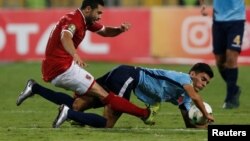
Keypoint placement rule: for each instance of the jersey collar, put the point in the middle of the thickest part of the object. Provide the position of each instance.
(82, 15)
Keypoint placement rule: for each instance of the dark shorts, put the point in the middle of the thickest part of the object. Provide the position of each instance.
(122, 80)
(227, 35)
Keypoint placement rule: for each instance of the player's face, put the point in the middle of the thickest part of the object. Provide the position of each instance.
(95, 15)
(200, 80)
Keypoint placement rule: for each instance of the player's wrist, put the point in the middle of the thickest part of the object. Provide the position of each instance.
(120, 29)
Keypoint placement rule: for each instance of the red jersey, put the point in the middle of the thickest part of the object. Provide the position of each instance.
(57, 59)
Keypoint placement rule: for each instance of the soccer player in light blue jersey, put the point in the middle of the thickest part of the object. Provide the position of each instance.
(227, 32)
(153, 86)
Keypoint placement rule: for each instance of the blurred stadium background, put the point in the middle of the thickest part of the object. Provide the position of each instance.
(109, 3)
(167, 32)
(163, 32)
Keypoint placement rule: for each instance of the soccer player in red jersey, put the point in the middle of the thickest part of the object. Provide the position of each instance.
(63, 67)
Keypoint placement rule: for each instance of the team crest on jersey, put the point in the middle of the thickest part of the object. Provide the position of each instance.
(88, 77)
(180, 99)
(72, 28)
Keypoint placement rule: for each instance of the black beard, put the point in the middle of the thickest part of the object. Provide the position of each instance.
(88, 21)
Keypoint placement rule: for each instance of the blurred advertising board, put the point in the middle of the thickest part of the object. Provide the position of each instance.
(24, 34)
(158, 35)
(182, 35)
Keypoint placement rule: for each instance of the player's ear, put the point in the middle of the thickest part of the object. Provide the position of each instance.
(192, 73)
(88, 8)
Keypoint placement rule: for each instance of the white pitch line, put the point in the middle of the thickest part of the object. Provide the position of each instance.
(152, 129)
(113, 129)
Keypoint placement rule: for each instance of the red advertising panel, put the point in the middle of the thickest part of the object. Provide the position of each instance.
(132, 44)
(24, 34)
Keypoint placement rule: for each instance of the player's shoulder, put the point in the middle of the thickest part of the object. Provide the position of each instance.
(184, 79)
(180, 74)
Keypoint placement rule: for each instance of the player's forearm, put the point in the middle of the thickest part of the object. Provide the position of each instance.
(68, 43)
(114, 31)
(111, 31)
(196, 98)
(69, 47)
(199, 103)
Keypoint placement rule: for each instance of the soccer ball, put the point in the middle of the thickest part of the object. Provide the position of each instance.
(196, 115)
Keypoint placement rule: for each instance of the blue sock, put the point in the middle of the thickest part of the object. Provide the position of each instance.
(55, 97)
(90, 119)
(232, 88)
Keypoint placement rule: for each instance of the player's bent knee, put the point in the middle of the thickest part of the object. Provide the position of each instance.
(98, 91)
(78, 104)
(76, 107)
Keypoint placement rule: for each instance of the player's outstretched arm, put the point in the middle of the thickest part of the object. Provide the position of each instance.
(196, 98)
(110, 31)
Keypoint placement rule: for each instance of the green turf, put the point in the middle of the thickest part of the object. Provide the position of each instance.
(33, 119)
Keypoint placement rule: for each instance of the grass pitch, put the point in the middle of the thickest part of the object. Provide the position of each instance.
(33, 119)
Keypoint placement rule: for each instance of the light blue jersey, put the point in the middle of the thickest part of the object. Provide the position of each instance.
(229, 10)
(156, 85)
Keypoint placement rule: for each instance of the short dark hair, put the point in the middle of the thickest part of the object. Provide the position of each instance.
(202, 67)
(92, 3)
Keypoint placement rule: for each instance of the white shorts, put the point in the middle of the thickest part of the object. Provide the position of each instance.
(75, 78)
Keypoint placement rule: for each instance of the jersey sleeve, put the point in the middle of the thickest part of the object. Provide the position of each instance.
(185, 80)
(69, 25)
(95, 27)
(187, 102)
